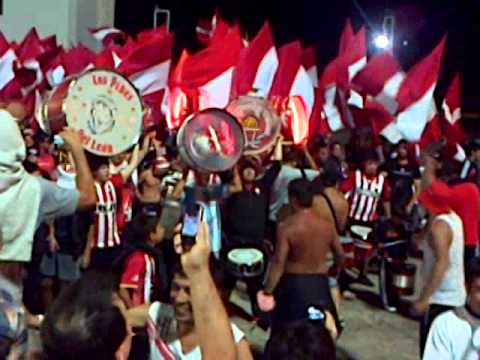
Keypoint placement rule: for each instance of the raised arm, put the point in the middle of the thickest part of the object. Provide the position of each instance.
(84, 178)
(211, 319)
(137, 157)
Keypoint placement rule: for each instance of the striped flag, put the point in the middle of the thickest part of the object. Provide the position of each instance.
(257, 65)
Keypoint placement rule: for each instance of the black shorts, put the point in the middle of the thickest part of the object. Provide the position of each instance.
(295, 293)
(104, 259)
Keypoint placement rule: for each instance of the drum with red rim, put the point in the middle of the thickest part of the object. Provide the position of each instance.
(260, 122)
(403, 277)
(363, 252)
(102, 105)
(348, 251)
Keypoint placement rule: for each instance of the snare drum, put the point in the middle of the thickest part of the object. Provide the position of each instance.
(360, 232)
(245, 262)
(363, 251)
(102, 105)
(348, 250)
(403, 277)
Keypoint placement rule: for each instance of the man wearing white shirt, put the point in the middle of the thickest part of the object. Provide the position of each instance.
(456, 333)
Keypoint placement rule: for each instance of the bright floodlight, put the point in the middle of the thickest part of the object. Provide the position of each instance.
(382, 41)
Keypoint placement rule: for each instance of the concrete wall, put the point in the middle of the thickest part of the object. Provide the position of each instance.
(68, 19)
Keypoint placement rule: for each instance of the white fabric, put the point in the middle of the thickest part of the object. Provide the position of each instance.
(19, 194)
(451, 291)
(331, 111)
(6, 68)
(266, 72)
(389, 92)
(152, 79)
(313, 74)
(216, 93)
(279, 196)
(302, 86)
(450, 338)
(412, 121)
(196, 354)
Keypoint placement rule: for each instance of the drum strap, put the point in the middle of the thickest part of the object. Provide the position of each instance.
(340, 231)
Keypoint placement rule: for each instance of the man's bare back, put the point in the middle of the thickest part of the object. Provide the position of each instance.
(310, 240)
(340, 206)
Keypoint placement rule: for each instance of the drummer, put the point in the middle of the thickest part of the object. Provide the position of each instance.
(298, 274)
(247, 209)
(368, 192)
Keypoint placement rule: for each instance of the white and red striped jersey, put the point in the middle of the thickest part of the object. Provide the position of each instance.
(365, 193)
(105, 225)
(139, 276)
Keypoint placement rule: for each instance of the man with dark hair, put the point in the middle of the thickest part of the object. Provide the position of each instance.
(470, 167)
(302, 340)
(454, 334)
(298, 273)
(443, 254)
(89, 320)
(330, 204)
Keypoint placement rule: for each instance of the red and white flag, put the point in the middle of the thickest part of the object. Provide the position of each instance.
(309, 62)
(203, 80)
(257, 65)
(346, 38)
(291, 78)
(415, 96)
(148, 64)
(452, 109)
(78, 59)
(109, 36)
(381, 79)
(293, 86)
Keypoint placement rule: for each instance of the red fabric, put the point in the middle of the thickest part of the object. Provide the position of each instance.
(250, 59)
(420, 78)
(349, 184)
(346, 38)
(194, 71)
(289, 61)
(118, 183)
(437, 198)
(372, 78)
(46, 164)
(465, 202)
(133, 277)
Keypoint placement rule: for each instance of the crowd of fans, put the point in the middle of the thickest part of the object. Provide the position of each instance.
(91, 249)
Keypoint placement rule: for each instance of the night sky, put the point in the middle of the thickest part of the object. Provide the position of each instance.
(420, 23)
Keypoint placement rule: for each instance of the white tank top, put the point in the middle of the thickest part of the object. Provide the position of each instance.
(451, 291)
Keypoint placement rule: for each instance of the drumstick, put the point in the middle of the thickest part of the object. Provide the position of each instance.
(215, 140)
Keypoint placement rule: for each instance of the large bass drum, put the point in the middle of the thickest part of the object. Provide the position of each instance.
(102, 105)
(210, 141)
(260, 122)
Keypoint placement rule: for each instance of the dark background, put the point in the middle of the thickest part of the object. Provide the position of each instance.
(420, 25)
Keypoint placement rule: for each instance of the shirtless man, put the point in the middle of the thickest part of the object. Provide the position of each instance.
(152, 182)
(330, 204)
(298, 273)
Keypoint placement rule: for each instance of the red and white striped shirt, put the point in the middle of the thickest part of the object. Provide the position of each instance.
(365, 193)
(105, 226)
(139, 275)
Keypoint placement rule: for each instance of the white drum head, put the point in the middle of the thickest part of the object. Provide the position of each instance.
(245, 256)
(107, 110)
(361, 231)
